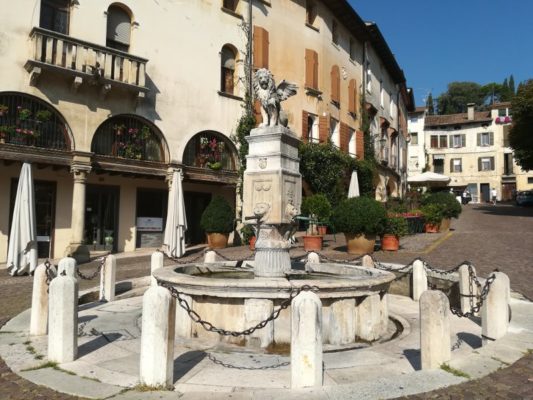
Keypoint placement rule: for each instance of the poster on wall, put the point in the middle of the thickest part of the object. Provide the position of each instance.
(149, 224)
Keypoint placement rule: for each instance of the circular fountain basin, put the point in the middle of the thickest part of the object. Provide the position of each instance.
(354, 301)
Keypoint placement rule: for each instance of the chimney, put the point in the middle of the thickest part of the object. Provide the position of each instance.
(470, 113)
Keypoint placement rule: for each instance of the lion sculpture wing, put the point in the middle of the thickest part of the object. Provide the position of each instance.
(285, 90)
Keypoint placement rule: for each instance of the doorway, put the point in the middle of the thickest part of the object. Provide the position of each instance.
(195, 204)
(101, 217)
(485, 192)
(151, 217)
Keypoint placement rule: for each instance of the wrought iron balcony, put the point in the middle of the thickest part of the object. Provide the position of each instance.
(86, 63)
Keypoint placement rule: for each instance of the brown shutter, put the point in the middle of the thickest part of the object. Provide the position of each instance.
(323, 129)
(479, 162)
(305, 126)
(315, 70)
(257, 112)
(344, 137)
(335, 84)
(260, 47)
(352, 96)
(434, 141)
(309, 62)
(492, 163)
(451, 165)
(479, 140)
(360, 145)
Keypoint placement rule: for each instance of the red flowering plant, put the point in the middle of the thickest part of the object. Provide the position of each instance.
(212, 152)
(129, 142)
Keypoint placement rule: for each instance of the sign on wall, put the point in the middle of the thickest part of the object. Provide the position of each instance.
(150, 224)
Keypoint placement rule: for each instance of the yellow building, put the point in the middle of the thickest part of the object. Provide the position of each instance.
(107, 98)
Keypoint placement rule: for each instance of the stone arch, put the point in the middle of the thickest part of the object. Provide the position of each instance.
(130, 136)
(29, 120)
(229, 56)
(205, 150)
(119, 23)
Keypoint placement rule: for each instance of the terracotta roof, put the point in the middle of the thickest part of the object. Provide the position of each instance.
(457, 119)
(500, 105)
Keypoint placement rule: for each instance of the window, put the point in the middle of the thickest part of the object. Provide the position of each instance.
(353, 49)
(381, 94)
(334, 32)
(413, 120)
(529, 179)
(230, 5)
(414, 138)
(311, 69)
(502, 112)
(261, 43)
(438, 141)
(368, 75)
(455, 165)
(438, 164)
(458, 141)
(334, 131)
(392, 108)
(443, 141)
(485, 163)
(352, 97)
(312, 128)
(335, 85)
(485, 139)
(434, 142)
(310, 12)
(118, 28)
(227, 70)
(55, 15)
(210, 150)
(352, 143)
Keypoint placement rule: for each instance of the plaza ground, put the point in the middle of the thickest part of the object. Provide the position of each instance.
(491, 237)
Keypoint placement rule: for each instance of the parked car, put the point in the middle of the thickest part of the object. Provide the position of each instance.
(524, 198)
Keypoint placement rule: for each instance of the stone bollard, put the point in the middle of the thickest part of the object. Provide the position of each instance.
(210, 257)
(63, 319)
(419, 279)
(156, 262)
(39, 302)
(312, 258)
(107, 279)
(435, 344)
(67, 265)
(157, 338)
(367, 261)
(306, 341)
(495, 309)
(467, 288)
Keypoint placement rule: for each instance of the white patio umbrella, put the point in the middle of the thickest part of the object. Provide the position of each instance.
(428, 179)
(353, 190)
(22, 247)
(174, 240)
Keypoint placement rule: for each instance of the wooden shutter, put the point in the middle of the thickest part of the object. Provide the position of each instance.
(479, 162)
(434, 141)
(479, 140)
(360, 145)
(451, 165)
(344, 137)
(491, 138)
(443, 141)
(257, 112)
(315, 70)
(305, 126)
(491, 163)
(335, 84)
(311, 69)
(261, 44)
(323, 129)
(463, 140)
(352, 96)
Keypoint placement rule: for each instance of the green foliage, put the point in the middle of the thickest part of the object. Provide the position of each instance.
(432, 213)
(218, 216)
(521, 137)
(327, 170)
(245, 125)
(458, 95)
(317, 205)
(447, 202)
(43, 115)
(247, 232)
(396, 225)
(430, 104)
(359, 215)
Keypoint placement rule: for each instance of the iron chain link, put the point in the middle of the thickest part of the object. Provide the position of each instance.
(95, 273)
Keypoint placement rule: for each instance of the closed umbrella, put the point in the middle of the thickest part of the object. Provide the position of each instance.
(174, 241)
(353, 190)
(22, 247)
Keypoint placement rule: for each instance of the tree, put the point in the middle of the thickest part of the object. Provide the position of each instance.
(429, 104)
(458, 95)
(521, 135)
(511, 85)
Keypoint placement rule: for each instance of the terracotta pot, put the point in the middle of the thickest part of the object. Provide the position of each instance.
(444, 225)
(217, 240)
(322, 229)
(431, 228)
(390, 242)
(312, 243)
(252, 243)
(360, 244)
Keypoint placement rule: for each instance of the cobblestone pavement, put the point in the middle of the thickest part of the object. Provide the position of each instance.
(490, 237)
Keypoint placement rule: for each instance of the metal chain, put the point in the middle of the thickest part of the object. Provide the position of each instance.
(226, 365)
(480, 299)
(208, 326)
(457, 344)
(94, 274)
(218, 253)
(323, 257)
(200, 256)
(428, 267)
(407, 269)
(49, 273)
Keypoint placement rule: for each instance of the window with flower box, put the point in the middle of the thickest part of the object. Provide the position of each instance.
(128, 136)
(211, 150)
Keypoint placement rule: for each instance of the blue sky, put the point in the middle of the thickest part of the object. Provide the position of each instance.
(440, 41)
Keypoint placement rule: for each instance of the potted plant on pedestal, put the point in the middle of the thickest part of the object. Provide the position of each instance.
(248, 236)
(448, 204)
(217, 222)
(360, 219)
(318, 209)
(395, 228)
(432, 217)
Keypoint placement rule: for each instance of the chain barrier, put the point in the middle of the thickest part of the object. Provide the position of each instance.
(95, 273)
(216, 361)
(208, 326)
(457, 344)
(479, 298)
(50, 274)
(323, 257)
(428, 267)
(218, 253)
(177, 260)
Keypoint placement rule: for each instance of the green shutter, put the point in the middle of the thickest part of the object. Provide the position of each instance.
(463, 140)
(479, 140)
(479, 161)
(491, 138)
(451, 164)
(492, 163)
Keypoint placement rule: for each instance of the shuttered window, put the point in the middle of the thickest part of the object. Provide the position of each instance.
(485, 139)
(443, 141)
(485, 164)
(335, 85)
(260, 47)
(434, 142)
(118, 28)
(310, 12)
(311, 69)
(230, 4)
(352, 97)
(227, 70)
(55, 15)
(456, 165)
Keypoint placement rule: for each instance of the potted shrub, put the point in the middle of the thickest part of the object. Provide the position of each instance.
(432, 216)
(449, 205)
(360, 219)
(248, 236)
(395, 228)
(318, 209)
(217, 222)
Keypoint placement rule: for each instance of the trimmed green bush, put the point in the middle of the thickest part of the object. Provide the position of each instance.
(449, 205)
(396, 225)
(359, 215)
(432, 213)
(218, 216)
(317, 205)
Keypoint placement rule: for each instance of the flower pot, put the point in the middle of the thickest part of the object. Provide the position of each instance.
(360, 244)
(444, 225)
(217, 240)
(252, 243)
(322, 230)
(390, 242)
(312, 243)
(431, 228)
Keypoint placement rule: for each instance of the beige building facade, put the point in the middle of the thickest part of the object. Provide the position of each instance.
(106, 99)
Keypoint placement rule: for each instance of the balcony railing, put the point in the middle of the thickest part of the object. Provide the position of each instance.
(93, 63)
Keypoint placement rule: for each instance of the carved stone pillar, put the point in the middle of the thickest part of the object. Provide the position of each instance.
(76, 248)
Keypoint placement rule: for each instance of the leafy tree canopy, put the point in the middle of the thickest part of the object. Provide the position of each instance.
(521, 135)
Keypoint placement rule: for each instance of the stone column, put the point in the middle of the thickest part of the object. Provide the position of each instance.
(77, 249)
(157, 338)
(255, 311)
(39, 303)
(63, 320)
(465, 286)
(306, 341)
(419, 279)
(495, 309)
(67, 266)
(435, 344)
(156, 262)
(107, 279)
